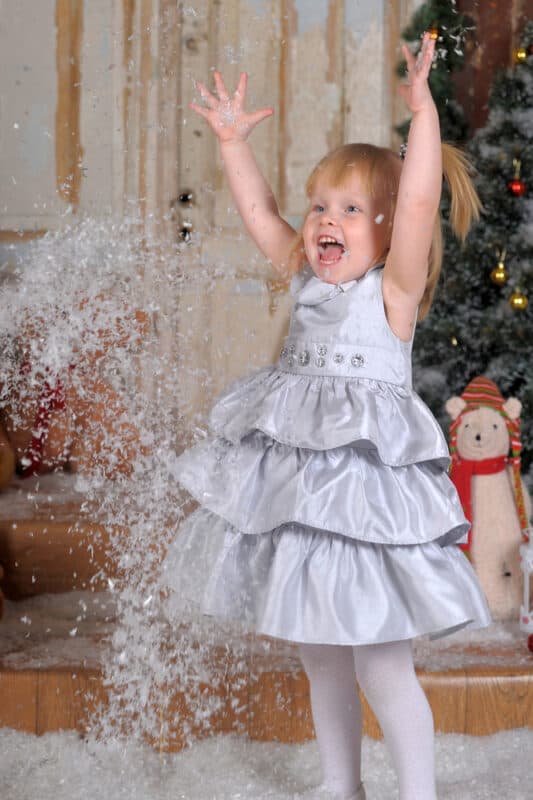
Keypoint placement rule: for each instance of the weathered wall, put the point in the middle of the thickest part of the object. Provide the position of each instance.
(94, 98)
(95, 117)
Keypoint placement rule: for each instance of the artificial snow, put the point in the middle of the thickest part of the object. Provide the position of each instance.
(61, 766)
(124, 632)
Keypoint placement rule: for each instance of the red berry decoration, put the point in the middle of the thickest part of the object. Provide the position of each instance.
(530, 642)
(517, 187)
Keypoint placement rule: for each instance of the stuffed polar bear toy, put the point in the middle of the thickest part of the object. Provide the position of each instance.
(485, 428)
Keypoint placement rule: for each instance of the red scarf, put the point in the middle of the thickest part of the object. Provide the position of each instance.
(461, 474)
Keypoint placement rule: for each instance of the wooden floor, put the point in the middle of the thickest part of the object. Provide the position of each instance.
(475, 690)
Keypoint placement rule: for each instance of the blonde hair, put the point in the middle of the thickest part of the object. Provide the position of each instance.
(379, 170)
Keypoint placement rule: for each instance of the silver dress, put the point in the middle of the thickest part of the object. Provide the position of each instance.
(326, 511)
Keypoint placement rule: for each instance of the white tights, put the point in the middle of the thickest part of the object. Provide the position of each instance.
(386, 675)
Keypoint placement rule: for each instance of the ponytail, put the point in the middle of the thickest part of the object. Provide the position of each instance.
(465, 209)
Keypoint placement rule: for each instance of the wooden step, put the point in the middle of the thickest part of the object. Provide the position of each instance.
(48, 544)
(267, 700)
(272, 707)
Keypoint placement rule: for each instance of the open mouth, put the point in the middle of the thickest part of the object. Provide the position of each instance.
(330, 250)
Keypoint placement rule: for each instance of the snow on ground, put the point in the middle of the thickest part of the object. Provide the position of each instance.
(61, 766)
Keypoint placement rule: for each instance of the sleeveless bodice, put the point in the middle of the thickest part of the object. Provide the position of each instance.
(342, 330)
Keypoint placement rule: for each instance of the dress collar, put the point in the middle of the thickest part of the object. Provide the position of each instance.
(308, 290)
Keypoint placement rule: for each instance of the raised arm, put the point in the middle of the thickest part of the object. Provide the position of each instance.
(253, 196)
(406, 267)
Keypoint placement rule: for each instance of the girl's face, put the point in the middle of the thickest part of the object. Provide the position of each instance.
(344, 233)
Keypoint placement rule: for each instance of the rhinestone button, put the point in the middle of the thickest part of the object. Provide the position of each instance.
(320, 362)
(292, 349)
(321, 349)
(284, 352)
(290, 361)
(304, 358)
(338, 358)
(357, 360)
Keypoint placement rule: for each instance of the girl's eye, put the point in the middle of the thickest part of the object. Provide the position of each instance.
(351, 209)
(318, 209)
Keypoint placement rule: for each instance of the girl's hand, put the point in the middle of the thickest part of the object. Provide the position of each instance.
(226, 115)
(416, 92)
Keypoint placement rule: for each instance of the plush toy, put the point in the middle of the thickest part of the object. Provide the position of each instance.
(70, 418)
(485, 449)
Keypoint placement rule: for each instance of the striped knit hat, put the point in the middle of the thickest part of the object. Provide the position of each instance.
(481, 392)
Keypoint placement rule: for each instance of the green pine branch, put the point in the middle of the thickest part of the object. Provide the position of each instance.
(472, 328)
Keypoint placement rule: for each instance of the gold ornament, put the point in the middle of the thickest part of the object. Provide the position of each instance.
(434, 32)
(499, 274)
(520, 55)
(518, 301)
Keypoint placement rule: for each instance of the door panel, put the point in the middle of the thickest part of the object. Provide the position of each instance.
(100, 93)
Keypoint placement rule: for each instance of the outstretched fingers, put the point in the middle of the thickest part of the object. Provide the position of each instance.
(259, 116)
(409, 58)
(425, 57)
(201, 110)
(240, 92)
(221, 87)
(209, 99)
(421, 64)
(225, 113)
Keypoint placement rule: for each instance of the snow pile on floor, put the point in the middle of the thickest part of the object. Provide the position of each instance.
(63, 767)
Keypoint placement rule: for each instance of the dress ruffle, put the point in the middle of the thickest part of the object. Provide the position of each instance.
(320, 413)
(299, 584)
(327, 514)
(260, 484)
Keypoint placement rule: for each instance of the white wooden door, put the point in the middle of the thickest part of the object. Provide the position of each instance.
(95, 119)
(328, 69)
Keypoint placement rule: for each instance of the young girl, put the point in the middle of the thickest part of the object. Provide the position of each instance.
(326, 485)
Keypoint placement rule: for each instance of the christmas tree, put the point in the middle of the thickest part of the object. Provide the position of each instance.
(450, 29)
(481, 322)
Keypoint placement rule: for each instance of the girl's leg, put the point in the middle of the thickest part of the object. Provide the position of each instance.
(386, 675)
(337, 715)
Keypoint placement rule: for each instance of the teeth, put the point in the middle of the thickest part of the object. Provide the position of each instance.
(327, 240)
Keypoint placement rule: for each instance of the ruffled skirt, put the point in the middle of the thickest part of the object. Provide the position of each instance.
(306, 585)
(327, 516)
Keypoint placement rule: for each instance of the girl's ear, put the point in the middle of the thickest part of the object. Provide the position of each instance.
(454, 406)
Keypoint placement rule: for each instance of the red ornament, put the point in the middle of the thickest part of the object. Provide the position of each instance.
(517, 187)
(530, 642)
